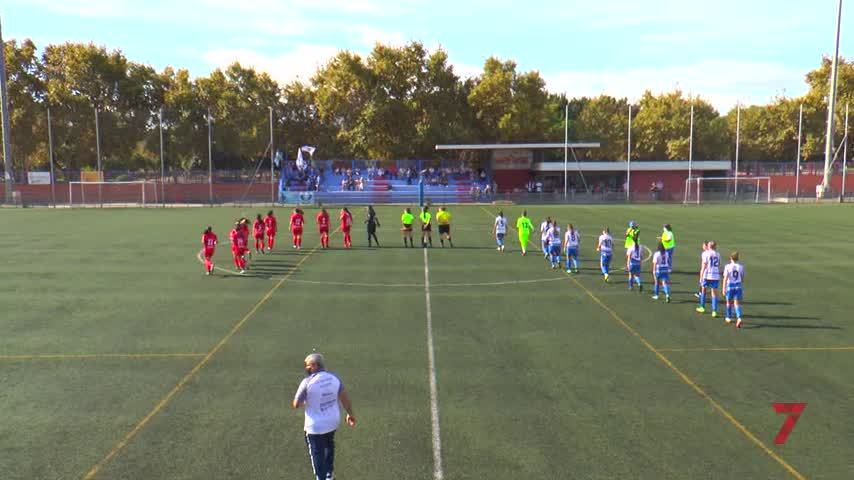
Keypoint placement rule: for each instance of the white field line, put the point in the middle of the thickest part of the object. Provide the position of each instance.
(438, 473)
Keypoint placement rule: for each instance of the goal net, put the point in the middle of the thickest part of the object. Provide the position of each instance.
(118, 194)
(728, 189)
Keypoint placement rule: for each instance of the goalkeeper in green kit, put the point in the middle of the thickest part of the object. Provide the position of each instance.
(524, 227)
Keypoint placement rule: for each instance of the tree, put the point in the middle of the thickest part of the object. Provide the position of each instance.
(511, 107)
(604, 119)
(662, 128)
(26, 92)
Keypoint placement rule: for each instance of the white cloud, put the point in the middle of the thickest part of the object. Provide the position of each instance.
(298, 64)
(368, 36)
(722, 83)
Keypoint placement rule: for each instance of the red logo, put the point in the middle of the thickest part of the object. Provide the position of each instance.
(793, 413)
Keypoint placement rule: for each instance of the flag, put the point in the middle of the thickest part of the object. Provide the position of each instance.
(301, 163)
(308, 149)
(277, 160)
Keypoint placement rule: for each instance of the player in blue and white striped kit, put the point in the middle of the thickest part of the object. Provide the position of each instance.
(554, 245)
(710, 275)
(572, 243)
(545, 228)
(733, 281)
(605, 249)
(633, 264)
(661, 267)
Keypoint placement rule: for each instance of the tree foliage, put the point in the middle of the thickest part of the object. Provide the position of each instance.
(398, 102)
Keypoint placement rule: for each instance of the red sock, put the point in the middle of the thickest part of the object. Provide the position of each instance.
(347, 240)
(208, 265)
(299, 240)
(237, 261)
(270, 241)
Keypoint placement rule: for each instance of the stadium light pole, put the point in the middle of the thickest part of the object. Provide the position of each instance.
(798, 161)
(162, 161)
(50, 158)
(844, 156)
(831, 109)
(272, 157)
(98, 154)
(7, 125)
(629, 158)
(737, 143)
(565, 149)
(691, 143)
(210, 160)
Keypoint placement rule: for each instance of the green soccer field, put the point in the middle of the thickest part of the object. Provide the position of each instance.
(119, 359)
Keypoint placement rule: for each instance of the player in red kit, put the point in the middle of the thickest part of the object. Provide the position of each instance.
(208, 248)
(258, 233)
(244, 230)
(297, 223)
(271, 227)
(323, 227)
(346, 222)
(238, 247)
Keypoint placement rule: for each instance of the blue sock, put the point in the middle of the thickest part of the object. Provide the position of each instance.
(637, 280)
(738, 311)
(729, 311)
(567, 264)
(703, 298)
(630, 281)
(666, 290)
(655, 289)
(714, 304)
(575, 263)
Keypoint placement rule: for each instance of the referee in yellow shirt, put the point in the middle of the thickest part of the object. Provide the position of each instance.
(426, 227)
(443, 218)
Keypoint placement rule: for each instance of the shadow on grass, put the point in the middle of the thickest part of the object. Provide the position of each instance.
(416, 247)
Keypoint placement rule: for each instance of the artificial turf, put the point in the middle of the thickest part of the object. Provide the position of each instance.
(119, 353)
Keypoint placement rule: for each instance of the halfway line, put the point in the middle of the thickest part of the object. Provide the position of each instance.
(189, 376)
(438, 473)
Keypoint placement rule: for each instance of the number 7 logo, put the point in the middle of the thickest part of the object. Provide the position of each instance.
(793, 412)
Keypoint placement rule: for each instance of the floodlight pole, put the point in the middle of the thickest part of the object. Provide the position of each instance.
(50, 157)
(162, 160)
(691, 143)
(98, 153)
(844, 156)
(831, 108)
(272, 160)
(629, 158)
(565, 150)
(737, 143)
(798, 161)
(210, 161)
(7, 125)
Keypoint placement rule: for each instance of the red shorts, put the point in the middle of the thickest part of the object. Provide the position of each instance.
(259, 236)
(345, 229)
(271, 233)
(209, 253)
(324, 230)
(297, 231)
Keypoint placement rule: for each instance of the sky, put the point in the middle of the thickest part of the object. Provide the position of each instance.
(725, 51)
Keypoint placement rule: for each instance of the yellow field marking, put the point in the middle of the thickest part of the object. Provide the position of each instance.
(759, 349)
(189, 376)
(85, 356)
(685, 378)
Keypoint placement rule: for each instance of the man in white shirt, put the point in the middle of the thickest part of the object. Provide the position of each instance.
(320, 392)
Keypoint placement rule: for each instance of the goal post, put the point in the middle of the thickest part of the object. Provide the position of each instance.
(727, 190)
(119, 194)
